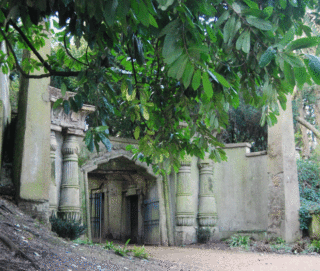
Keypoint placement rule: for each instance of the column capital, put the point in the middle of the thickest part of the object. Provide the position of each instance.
(186, 161)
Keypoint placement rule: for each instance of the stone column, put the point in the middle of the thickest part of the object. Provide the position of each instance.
(207, 203)
(185, 216)
(53, 193)
(283, 194)
(69, 207)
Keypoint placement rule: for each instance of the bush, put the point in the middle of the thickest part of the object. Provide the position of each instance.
(71, 229)
(309, 181)
(315, 246)
(203, 235)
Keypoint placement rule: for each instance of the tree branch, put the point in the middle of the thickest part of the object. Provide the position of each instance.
(69, 54)
(308, 126)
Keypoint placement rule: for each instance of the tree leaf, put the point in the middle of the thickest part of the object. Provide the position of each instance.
(196, 81)
(136, 133)
(313, 64)
(225, 15)
(303, 43)
(267, 56)
(294, 3)
(57, 103)
(63, 89)
(89, 141)
(207, 85)
(300, 75)
(289, 36)
(259, 23)
(240, 41)
(211, 34)
(187, 75)
(66, 106)
(289, 74)
(246, 42)
(251, 4)
(106, 142)
(283, 3)
(221, 79)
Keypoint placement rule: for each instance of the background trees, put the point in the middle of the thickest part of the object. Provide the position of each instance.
(149, 65)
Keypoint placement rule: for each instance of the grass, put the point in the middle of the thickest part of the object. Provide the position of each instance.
(238, 240)
(140, 252)
(123, 251)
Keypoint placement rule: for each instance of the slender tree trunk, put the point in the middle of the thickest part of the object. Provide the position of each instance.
(309, 126)
(304, 133)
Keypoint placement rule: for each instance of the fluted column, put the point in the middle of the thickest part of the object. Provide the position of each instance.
(185, 211)
(69, 198)
(53, 193)
(207, 204)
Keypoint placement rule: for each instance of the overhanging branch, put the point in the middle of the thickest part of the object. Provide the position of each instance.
(308, 126)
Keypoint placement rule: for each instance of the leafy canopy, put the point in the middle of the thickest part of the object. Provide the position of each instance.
(155, 65)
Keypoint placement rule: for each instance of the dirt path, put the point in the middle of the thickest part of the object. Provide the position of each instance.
(205, 259)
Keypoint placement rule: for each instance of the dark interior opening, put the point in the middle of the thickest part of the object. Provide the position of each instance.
(134, 219)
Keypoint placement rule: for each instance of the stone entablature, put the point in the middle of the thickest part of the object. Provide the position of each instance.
(73, 120)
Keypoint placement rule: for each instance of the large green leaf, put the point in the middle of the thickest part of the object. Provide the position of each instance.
(300, 74)
(267, 56)
(246, 42)
(313, 64)
(187, 75)
(303, 43)
(289, 74)
(259, 23)
(196, 81)
(207, 85)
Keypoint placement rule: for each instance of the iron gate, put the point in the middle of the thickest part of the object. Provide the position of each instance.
(96, 205)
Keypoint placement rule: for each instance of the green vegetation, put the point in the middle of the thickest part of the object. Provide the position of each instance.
(203, 234)
(109, 245)
(140, 252)
(309, 182)
(239, 241)
(83, 242)
(71, 229)
(149, 65)
(123, 251)
(315, 246)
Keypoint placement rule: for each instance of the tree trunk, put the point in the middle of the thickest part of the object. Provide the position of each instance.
(309, 126)
(304, 133)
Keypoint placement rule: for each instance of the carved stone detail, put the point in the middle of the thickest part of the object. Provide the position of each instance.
(69, 198)
(53, 194)
(185, 210)
(207, 213)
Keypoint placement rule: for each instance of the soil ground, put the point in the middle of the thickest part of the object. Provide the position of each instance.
(33, 246)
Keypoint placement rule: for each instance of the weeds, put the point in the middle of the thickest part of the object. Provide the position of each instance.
(123, 251)
(83, 242)
(239, 241)
(109, 245)
(140, 252)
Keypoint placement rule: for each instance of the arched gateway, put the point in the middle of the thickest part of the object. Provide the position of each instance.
(122, 196)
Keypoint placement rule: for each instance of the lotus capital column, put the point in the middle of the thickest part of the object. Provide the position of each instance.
(70, 194)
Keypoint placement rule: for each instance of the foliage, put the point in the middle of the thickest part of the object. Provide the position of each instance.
(244, 127)
(123, 251)
(315, 246)
(203, 234)
(71, 229)
(153, 64)
(109, 245)
(309, 181)
(140, 252)
(279, 241)
(239, 241)
(83, 242)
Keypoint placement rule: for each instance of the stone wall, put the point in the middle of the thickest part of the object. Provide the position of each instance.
(241, 191)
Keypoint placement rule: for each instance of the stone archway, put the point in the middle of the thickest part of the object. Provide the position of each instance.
(130, 194)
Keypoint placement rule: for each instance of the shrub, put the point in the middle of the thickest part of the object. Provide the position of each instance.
(71, 229)
(203, 235)
(239, 241)
(309, 180)
(140, 252)
(315, 246)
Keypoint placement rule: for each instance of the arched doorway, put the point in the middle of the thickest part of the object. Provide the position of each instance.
(123, 201)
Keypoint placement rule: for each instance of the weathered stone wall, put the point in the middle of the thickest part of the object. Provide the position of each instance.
(241, 186)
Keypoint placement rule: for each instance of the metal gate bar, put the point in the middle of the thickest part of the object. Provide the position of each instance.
(96, 205)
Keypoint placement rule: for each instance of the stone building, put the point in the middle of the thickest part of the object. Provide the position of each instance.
(119, 198)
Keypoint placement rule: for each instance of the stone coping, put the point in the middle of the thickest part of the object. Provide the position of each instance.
(258, 153)
(55, 94)
(237, 145)
(123, 140)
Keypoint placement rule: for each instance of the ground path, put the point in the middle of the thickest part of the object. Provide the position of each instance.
(217, 260)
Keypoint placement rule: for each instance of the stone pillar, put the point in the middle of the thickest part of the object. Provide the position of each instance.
(69, 207)
(185, 216)
(207, 203)
(32, 150)
(283, 194)
(53, 194)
